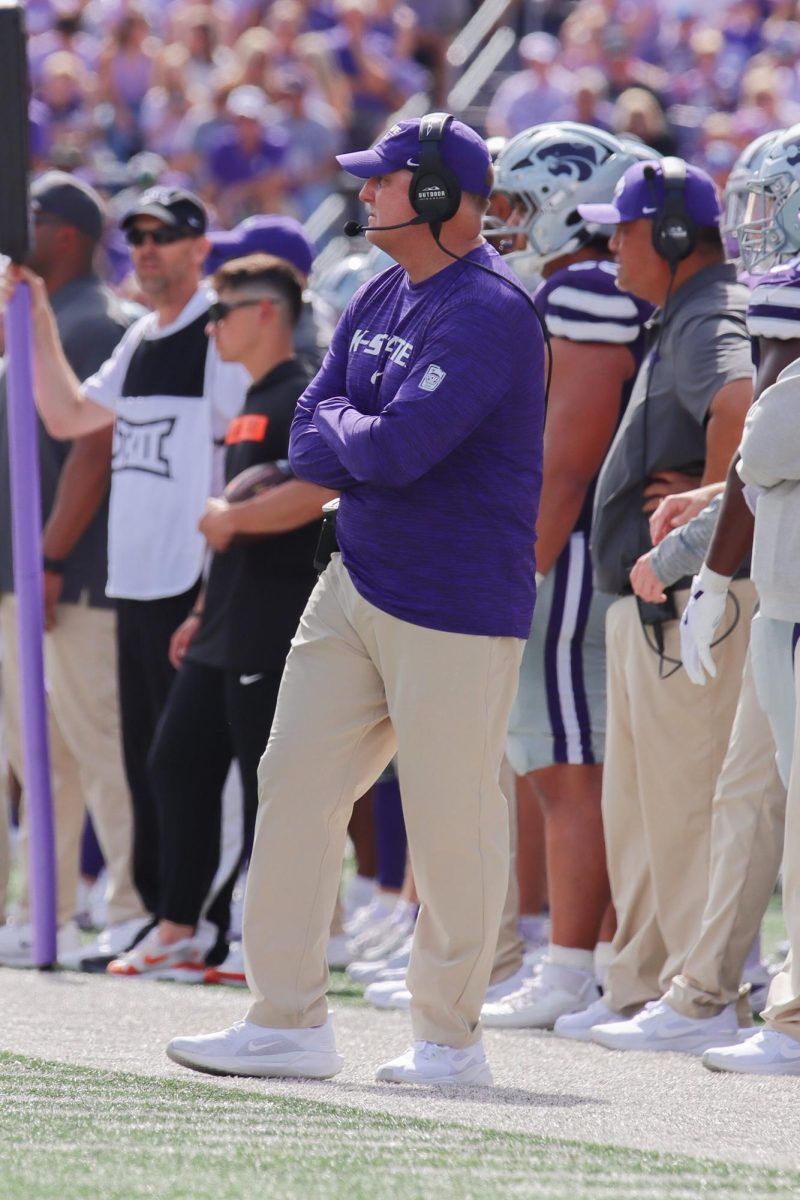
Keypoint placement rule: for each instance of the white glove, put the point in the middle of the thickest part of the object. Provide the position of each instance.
(700, 621)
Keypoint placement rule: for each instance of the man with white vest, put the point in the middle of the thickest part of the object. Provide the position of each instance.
(169, 398)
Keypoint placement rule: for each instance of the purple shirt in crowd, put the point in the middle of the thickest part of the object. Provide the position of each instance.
(427, 413)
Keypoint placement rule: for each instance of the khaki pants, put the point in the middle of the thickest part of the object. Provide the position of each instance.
(85, 753)
(665, 744)
(510, 946)
(783, 1003)
(747, 821)
(358, 686)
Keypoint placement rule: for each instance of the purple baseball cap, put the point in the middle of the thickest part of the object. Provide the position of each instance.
(282, 236)
(462, 150)
(640, 194)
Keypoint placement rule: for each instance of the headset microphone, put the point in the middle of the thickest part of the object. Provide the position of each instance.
(352, 228)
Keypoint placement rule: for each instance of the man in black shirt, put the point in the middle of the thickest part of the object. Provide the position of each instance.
(231, 649)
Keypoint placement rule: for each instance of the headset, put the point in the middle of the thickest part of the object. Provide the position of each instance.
(434, 190)
(674, 232)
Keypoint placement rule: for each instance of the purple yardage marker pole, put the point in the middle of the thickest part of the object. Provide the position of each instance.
(26, 508)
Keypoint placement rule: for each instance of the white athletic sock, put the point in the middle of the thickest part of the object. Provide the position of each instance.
(567, 956)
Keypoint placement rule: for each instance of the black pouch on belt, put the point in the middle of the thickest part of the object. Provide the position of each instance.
(327, 544)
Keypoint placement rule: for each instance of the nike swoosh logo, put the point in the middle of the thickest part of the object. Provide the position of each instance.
(244, 680)
(375, 376)
(649, 210)
(152, 960)
(267, 1045)
(410, 163)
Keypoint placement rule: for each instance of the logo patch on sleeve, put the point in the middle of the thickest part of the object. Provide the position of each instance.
(432, 378)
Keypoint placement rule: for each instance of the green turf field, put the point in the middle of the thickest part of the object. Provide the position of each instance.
(70, 1133)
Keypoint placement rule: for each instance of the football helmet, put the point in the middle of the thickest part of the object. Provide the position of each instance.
(769, 231)
(745, 168)
(546, 171)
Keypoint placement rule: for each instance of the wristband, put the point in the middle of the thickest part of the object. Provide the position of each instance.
(56, 566)
(712, 581)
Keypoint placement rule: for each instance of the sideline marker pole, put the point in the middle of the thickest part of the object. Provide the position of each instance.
(26, 506)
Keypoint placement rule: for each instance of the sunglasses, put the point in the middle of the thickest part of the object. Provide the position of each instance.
(219, 310)
(164, 235)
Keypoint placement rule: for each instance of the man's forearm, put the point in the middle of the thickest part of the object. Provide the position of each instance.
(82, 487)
(280, 509)
(732, 539)
(62, 407)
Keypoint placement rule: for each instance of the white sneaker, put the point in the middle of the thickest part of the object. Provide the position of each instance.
(109, 944)
(231, 970)
(542, 998)
(506, 987)
(358, 894)
(660, 1027)
(389, 993)
(338, 952)
(248, 1049)
(396, 933)
(767, 1052)
(428, 1062)
(16, 943)
(378, 909)
(181, 962)
(367, 971)
(376, 941)
(578, 1025)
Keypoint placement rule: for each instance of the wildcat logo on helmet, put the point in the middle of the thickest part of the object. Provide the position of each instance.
(432, 378)
(564, 158)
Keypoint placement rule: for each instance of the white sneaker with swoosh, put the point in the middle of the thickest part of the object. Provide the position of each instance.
(429, 1063)
(249, 1049)
(767, 1052)
(660, 1027)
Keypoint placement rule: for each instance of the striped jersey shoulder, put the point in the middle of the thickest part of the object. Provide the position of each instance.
(582, 303)
(773, 310)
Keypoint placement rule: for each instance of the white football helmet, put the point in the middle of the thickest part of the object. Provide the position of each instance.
(769, 231)
(546, 171)
(745, 168)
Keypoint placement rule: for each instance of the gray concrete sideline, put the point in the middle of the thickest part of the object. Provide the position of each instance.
(544, 1085)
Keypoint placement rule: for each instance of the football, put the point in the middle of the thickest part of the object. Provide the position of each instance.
(255, 480)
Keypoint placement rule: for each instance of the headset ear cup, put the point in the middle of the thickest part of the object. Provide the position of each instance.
(674, 237)
(434, 191)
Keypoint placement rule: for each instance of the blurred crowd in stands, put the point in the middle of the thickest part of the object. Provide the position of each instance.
(247, 101)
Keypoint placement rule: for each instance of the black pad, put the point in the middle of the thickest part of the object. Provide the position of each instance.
(15, 158)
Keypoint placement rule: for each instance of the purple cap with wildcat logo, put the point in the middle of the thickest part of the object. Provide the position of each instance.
(461, 149)
(640, 193)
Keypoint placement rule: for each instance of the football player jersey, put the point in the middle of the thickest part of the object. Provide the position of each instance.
(582, 303)
(774, 307)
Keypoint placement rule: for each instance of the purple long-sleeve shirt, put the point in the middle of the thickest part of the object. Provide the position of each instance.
(427, 413)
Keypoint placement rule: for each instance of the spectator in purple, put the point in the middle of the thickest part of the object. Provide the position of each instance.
(541, 91)
(313, 137)
(365, 58)
(66, 33)
(246, 165)
(125, 74)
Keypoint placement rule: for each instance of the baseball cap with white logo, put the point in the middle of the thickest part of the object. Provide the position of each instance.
(462, 150)
(640, 193)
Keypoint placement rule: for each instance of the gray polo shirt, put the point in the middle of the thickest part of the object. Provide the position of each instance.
(704, 345)
(90, 322)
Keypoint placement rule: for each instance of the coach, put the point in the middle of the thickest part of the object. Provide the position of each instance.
(427, 415)
(666, 739)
